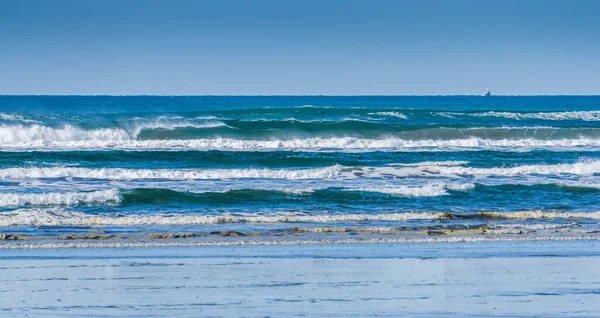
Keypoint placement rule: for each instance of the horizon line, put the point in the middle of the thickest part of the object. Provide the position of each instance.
(294, 95)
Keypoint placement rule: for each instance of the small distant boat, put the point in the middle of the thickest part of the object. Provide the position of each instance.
(487, 93)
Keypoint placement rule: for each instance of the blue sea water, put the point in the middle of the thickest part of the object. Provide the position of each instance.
(159, 164)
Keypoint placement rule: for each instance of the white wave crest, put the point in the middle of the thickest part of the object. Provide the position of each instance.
(172, 124)
(255, 242)
(56, 217)
(60, 198)
(574, 115)
(391, 114)
(43, 135)
(578, 168)
(430, 163)
(541, 226)
(131, 174)
(72, 138)
(16, 118)
(428, 190)
(544, 215)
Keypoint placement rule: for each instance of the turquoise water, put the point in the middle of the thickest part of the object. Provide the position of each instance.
(135, 165)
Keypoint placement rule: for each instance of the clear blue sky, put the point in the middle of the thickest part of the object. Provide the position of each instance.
(344, 47)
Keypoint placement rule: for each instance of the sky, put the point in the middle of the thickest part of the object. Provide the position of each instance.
(308, 47)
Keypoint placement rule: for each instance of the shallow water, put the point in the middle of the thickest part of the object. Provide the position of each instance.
(529, 279)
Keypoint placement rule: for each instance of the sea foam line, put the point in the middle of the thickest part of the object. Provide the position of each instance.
(428, 190)
(589, 167)
(117, 139)
(572, 115)
(61, 217)
(400, 240)
(17, 134)
(59, 198)
(173, 124)
(391, 114)
(130, 174)
(330, 172)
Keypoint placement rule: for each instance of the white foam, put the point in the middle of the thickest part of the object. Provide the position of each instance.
(312, 106)
(294, 120)
(71, 138)
(460, 186)
(59, 198)
(391, 114)
(428, 190)
(253, 242)
(574, 115)
(130, 174)
(16, 118)
(47, 136)
(531, 226)
(544, 215)
(172, 124)
(431, 163)
(579, 168)
(586, 168)
(43, 136)
(581, 184)
(60, 217)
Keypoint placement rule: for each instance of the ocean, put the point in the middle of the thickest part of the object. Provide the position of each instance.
(157, 170)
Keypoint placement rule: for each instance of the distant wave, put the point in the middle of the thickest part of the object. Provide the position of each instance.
(304, 121)
(574, 115)
(167, 124)
(175, 133)
(40, 134)
(391, 114)
(16, 118)
(431, 163)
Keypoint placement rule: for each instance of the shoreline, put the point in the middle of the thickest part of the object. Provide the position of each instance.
(176, 242)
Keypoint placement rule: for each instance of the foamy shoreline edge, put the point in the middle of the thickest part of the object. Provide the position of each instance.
(141, 244)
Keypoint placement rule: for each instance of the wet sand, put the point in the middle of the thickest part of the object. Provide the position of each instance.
(528, 279)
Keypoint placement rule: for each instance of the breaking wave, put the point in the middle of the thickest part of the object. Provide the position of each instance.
(574, 115)
(43, 135)
(429, 190)
(391, 114)
(72, 138)
(131, 174)
(424, 169)
(58, 217)
(59, 198)
(579, 168)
